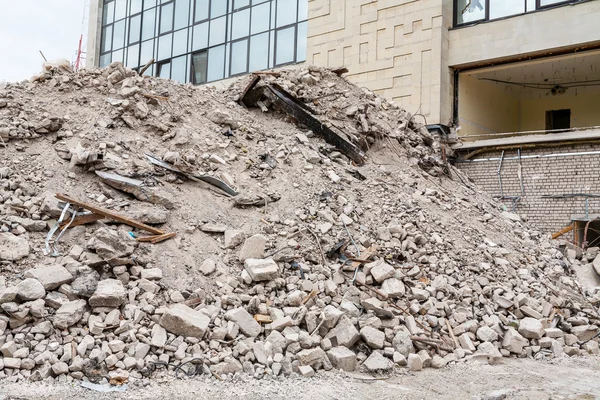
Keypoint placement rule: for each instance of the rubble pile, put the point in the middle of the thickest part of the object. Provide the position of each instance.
(288, 258)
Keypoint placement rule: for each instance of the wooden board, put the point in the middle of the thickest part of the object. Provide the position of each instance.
(109, 214)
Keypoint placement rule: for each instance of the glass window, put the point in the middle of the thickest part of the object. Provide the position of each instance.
(108, 15)
(180, 41)
(200, 37)
(503, 8)
(216, 62)
(237, 4)
(120, 9)
(133, 56)
(239, 57)
(149, 4)
(163, 70)
(273, 6)
(260, 18)
(106, 39)
(182, 14)
(164, 46)
(259, 52)
(178, 69)
(201, 12)
(301, 46)
(284, 48)
(469, 11)
(286, 12)
(544, 3)
(302, 10)
(217, 31)
(148, 24)
(105, 60)
(119, 34)
(199, 67)
(134, 28)
(530, 5)
(136, 6)
(166, 18)
(147, 51)
(241, 24)
(218, 8)
(117, 56)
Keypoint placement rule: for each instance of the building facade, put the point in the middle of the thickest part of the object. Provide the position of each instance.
(519, 76)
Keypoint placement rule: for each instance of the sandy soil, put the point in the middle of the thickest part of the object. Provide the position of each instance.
(514, 379)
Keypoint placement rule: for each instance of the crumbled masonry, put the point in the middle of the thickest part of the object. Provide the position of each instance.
(317, 263)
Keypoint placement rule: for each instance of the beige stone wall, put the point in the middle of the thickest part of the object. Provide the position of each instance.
(559, 28)
(393, 47)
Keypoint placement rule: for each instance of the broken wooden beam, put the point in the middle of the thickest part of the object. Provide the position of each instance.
(564, 230)
(156, 238)
(109, 214)
(82, 220)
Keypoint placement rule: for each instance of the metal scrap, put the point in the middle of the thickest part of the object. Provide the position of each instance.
(301, 113)
(193, 176)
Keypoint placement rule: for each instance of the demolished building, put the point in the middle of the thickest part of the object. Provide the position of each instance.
(350, 247)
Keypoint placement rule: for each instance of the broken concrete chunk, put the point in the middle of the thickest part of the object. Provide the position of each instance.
(254, 247)
(377, 362)
(69, 314)
(393, 287)
(30, 289)
(13, 248)
(345, 333)
(342, 358)
(531, 328)
(261, 270)
(382, 271)
(185, 321)
(244, 320)
(50, 276)
(110, 244)
(109, 293)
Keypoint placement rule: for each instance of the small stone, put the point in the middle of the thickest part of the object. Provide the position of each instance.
(486, 334)
(60, 368)
(13, 248)
(373, 337)
(382, 271)
(342, 358)
(30, 289)
(244, 320)
(185, 321)
(254, 247)
(377, 362)
(152, 274)
(50, 276)
(159, 336)
(261, 270)
(414, 362)
(69, 314)
(531, 328)
(306, 371)
(513, 341)
(208, 266)
(109, 293)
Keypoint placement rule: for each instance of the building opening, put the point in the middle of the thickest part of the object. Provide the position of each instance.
(536, 97)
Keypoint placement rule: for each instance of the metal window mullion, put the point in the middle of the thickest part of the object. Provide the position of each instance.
(487, 10)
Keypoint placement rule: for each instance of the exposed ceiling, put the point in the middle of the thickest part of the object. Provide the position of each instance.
(579, 71)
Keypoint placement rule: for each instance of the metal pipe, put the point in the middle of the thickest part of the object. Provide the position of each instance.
(499, 173)
(520, 173)
(578, 154)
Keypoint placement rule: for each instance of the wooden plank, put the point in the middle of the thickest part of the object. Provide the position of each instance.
(365, 256)
(109, 214)
(83, 220)
(156, 238)
(564, 230)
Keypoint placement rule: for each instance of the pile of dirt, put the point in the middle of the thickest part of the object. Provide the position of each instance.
(289, 256)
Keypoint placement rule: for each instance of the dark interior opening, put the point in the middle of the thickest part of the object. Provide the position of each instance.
(558, 119)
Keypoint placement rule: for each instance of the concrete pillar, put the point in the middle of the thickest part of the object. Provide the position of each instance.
(94, 34)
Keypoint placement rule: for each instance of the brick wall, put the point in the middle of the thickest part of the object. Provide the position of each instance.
(547, 175)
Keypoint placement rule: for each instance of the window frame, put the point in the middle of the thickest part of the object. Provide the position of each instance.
(486, 4)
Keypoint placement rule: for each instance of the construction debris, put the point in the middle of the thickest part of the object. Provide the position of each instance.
(421, 270)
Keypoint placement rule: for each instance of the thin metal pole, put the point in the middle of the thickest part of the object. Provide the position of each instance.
(499, 175)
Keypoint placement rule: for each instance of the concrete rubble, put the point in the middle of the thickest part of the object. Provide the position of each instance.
(429, 271)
